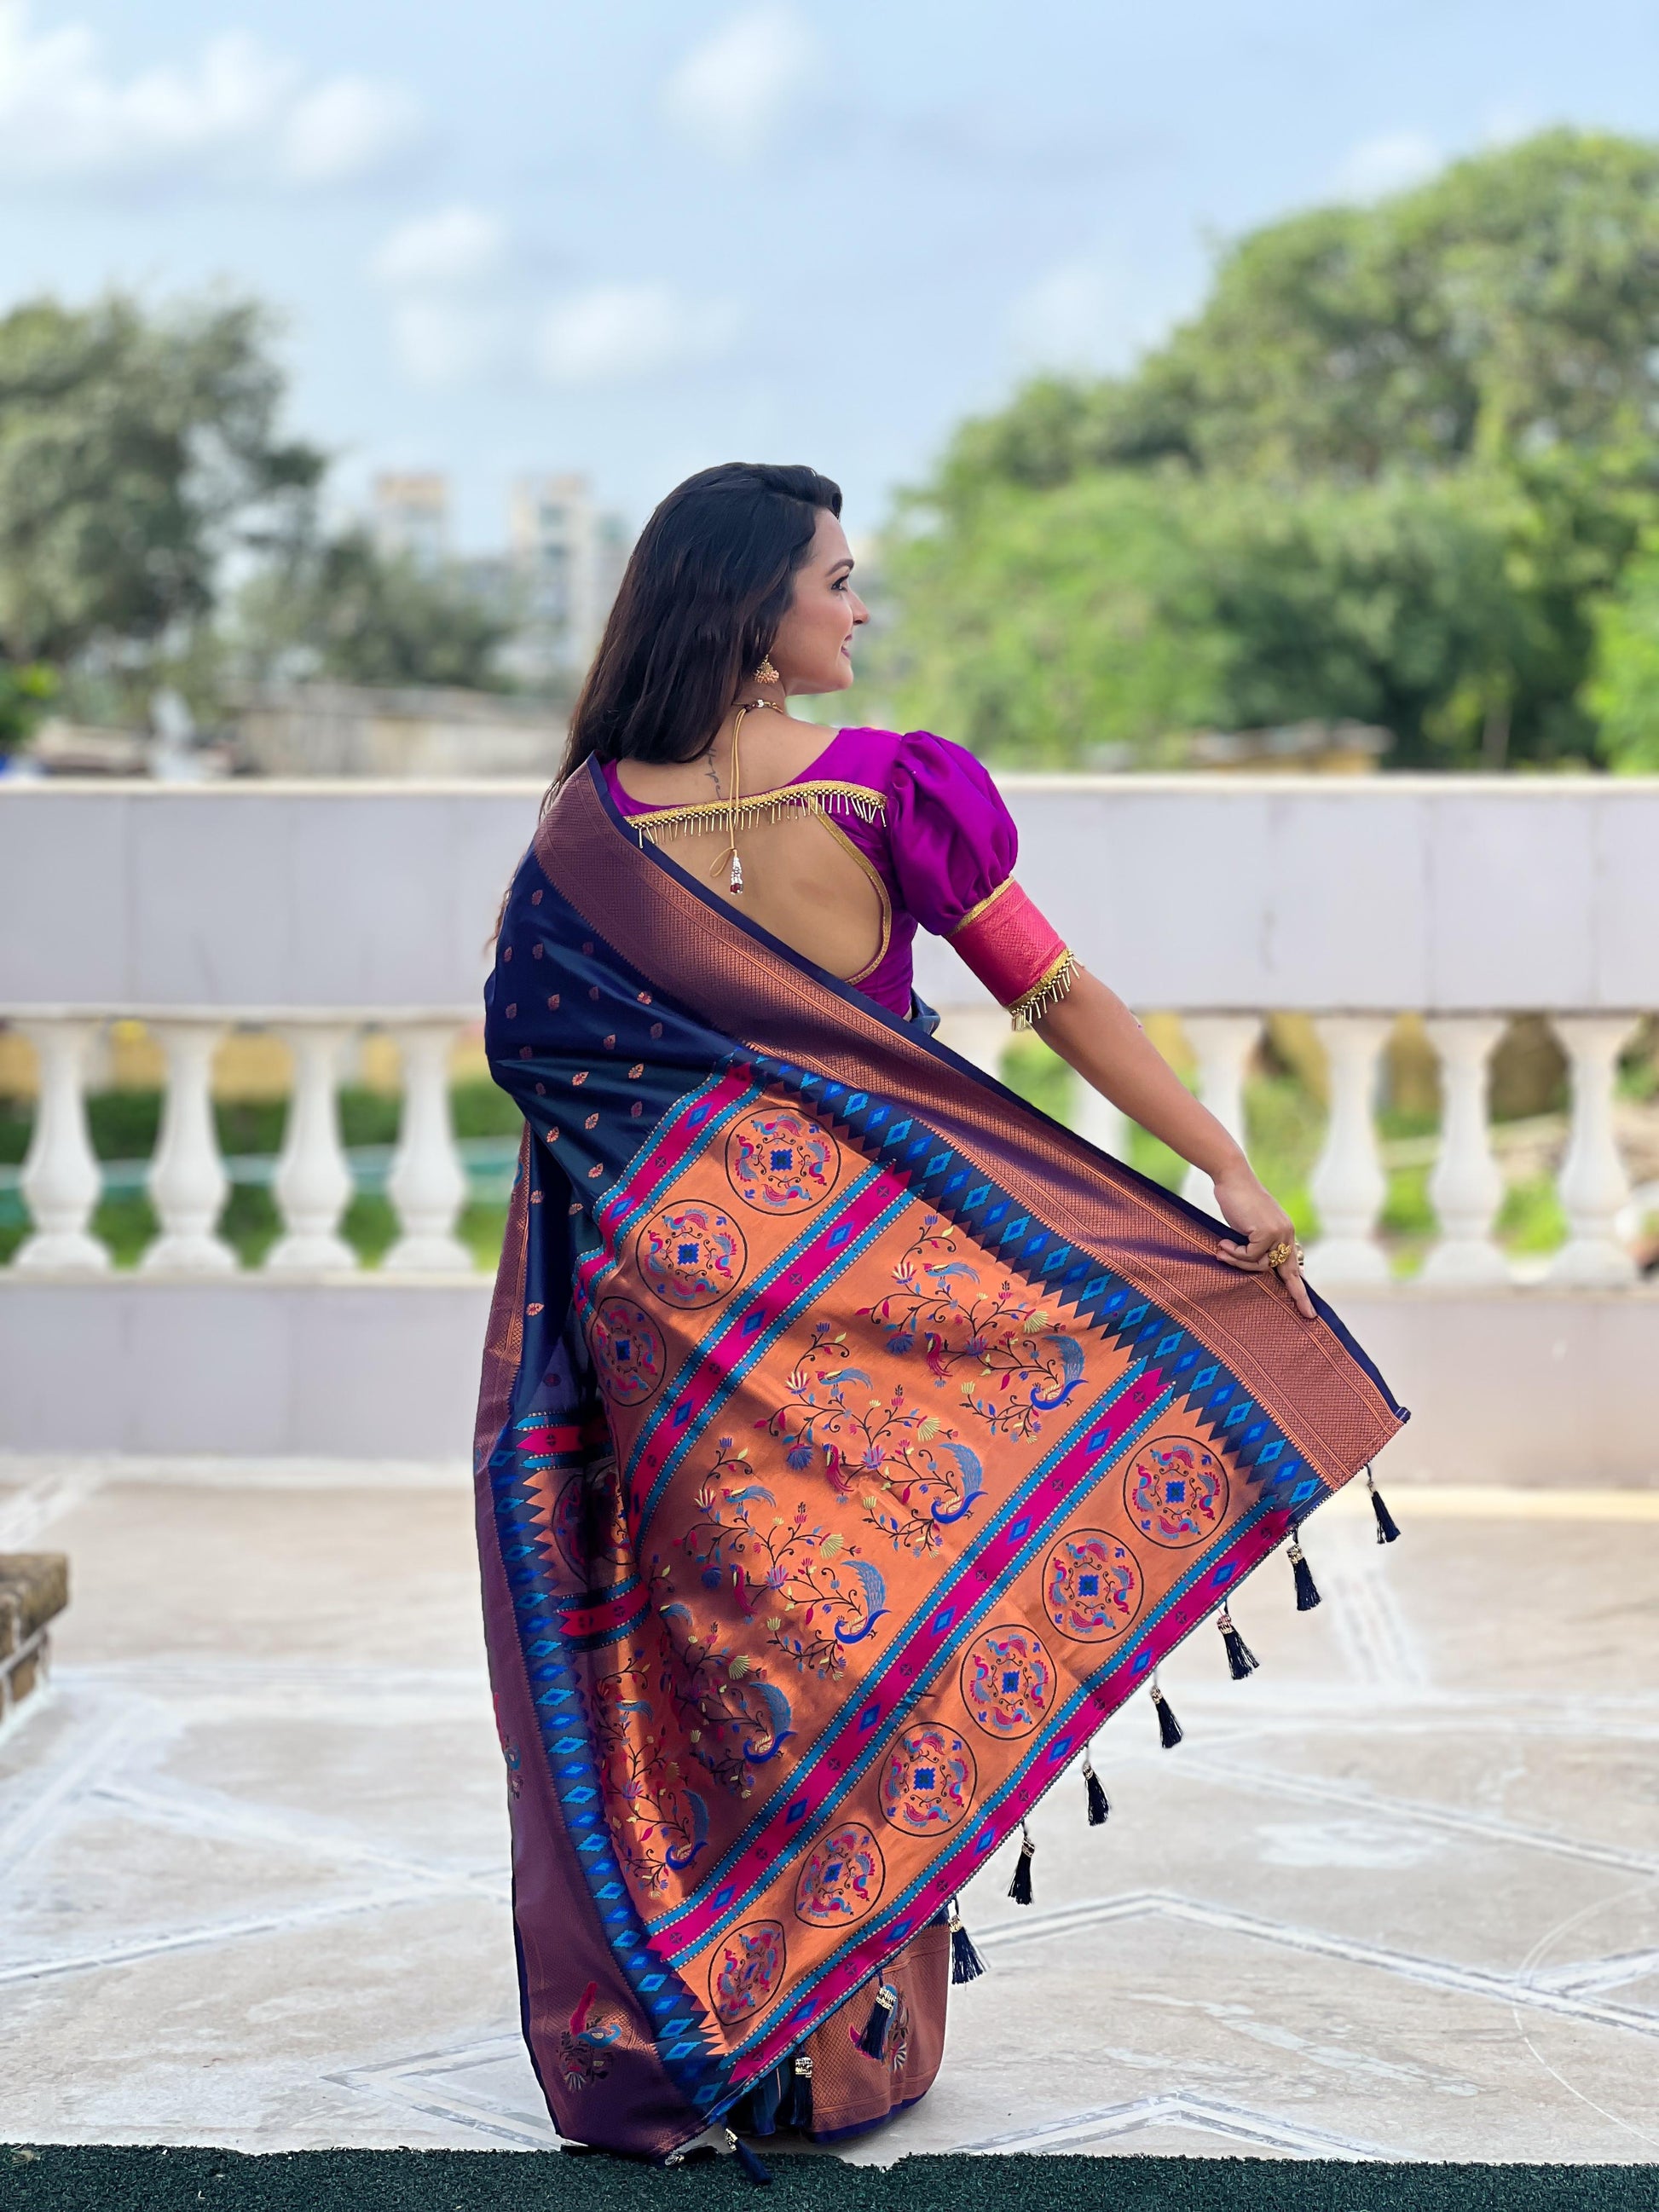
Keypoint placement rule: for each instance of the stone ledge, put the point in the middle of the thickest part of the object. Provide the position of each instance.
(33, 1591)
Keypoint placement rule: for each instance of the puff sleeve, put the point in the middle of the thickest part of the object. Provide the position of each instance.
(953, 844)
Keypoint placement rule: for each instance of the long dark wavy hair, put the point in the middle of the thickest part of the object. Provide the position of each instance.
(700, 604)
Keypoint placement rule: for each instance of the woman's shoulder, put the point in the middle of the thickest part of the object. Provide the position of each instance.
(914, 763)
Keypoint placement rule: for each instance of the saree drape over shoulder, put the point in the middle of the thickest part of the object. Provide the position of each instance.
(853, 1441)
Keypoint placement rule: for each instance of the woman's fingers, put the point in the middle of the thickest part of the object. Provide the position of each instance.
(1236, 1257)
(1290, 1274)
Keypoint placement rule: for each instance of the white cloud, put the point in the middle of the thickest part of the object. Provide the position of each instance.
(441, 340)
(449, 326)
(731, 95)
(617, 331)
(346, 127)
(1077, 315)
(458, 245)
(65, 117)
(1387, 164)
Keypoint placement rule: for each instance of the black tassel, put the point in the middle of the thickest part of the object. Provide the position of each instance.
(873, 2041)
(1020, 1888)
(966, 1964)
(1098, 1809)
(1387, 1531)
(799, 2112)
(1241, 1659)
(1307, 1595)
(1169, 1728)
(747, 2159)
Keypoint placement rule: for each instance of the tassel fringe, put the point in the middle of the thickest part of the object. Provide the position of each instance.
(1020, 1888)
(1387, 1531)
(808, 798)
(1048, 991)
(747, 2159)
(1169, 1728)
(798, 2112)
(1241, 1659)
(1307, 1592)
(1094, 1795)
(966, 1964)
(873, 2041)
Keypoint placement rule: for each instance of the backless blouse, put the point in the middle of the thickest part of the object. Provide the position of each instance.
(924, 817)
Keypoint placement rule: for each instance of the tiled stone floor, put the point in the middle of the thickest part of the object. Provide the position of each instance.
(1396, 1895)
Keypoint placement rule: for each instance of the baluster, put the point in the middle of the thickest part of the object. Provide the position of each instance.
(1593, 1184)
(1466, 1185)
(313, 1181)
(428, 1182)
(1222, 1044)
(978, 1033)
(1348, 1183)
(60, 1181)
(188, 1185)
(1099, 1121)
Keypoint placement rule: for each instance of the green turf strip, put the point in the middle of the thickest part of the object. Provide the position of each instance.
(101, 2178)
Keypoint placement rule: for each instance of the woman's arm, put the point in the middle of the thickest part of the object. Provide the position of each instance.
(1092, 1029)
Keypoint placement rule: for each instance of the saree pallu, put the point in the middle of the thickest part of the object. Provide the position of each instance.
(853, 1441)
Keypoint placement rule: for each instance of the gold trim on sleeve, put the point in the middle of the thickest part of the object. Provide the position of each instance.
(988, 901)
(1050, 988)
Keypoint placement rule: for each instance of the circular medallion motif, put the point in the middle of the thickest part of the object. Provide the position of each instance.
(841, 1879)
(745, 1971)
(628, 1352)
(1008, 1681)
(589, 1526)
(927, 1780)
(1175, 1490)
(780, 1161)
(1092, 1586)
(692, 1256)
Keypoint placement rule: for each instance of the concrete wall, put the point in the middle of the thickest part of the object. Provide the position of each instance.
(1512, 1385)
(1442, 893)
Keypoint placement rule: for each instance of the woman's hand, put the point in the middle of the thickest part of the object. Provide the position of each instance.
(1264, 1224)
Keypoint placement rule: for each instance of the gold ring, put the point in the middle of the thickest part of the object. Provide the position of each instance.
(1280, 1253)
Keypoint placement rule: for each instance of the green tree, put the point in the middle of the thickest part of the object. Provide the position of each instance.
(1624, 688)
(136, 448)
(1403, 450)
(340, 608)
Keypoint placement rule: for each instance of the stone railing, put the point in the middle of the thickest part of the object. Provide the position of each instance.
(323, 911)
(311, 1185)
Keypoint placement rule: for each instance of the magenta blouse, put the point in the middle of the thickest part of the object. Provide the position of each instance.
(940, 842)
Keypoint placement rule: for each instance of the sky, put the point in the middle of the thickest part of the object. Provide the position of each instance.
(636, 238)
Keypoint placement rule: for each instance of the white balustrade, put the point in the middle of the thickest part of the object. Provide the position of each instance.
(981, 1034)
(1348, 1183)
(1099, 1121)
(1466, 1185)
(187, 1182)
(186, 1178)
(1222, 1045)
(60, 1181)
(428, 1182)
(313, 1181)
(1593, 1184)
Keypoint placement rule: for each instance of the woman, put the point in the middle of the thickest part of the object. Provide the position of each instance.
(853, 1440)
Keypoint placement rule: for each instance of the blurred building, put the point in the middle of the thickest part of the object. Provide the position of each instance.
(567, 555)
(411, 515)
(324, 729)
